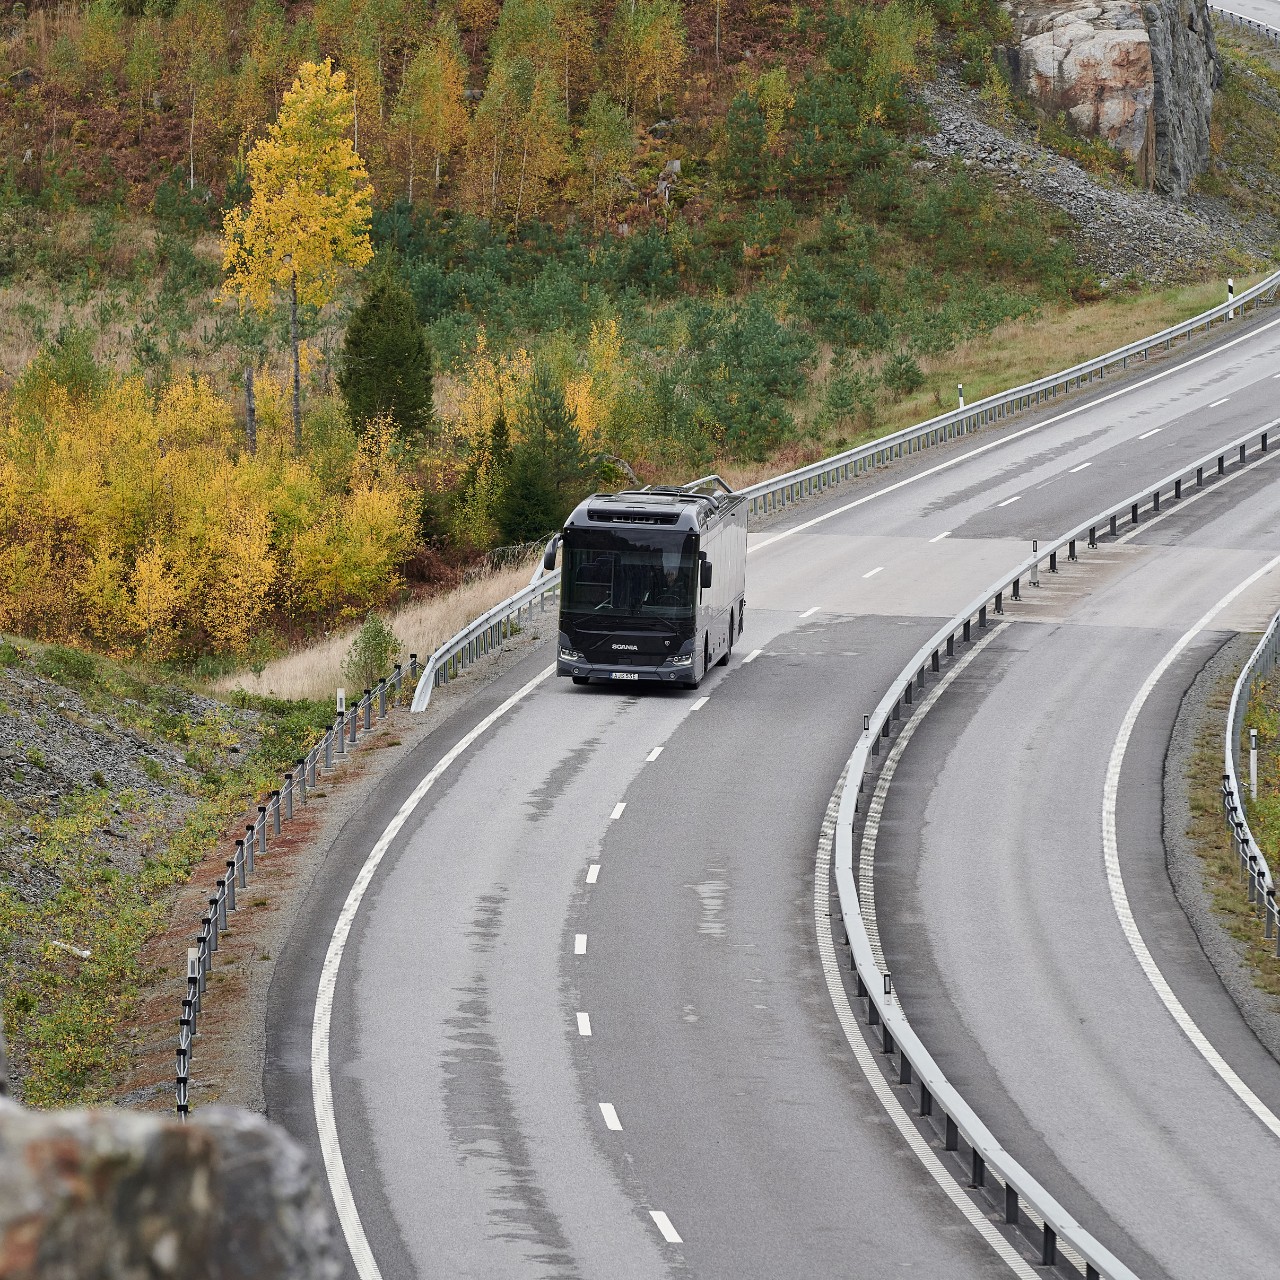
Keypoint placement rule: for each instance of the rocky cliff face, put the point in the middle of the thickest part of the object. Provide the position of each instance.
(1141, 75)
(118, 1195)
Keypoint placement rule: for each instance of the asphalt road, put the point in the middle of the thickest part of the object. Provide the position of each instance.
(483, 1133)
(998, 923)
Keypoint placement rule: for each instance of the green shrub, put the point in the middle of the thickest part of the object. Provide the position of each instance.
(901, 374)
(67, 666)
(372, 654)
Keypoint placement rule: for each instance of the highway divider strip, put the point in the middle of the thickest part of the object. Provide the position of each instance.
(1024, 1196)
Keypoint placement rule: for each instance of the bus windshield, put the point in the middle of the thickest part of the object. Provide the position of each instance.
(642, 573)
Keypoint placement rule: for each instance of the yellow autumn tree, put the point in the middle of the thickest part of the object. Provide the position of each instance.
(646, 51)
(431, 115)
(307, 222)
(594, 391)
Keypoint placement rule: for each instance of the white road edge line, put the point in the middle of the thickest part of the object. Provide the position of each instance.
(940, 536)
(617, 810)
(321, 1085)
(663, 1223)
(1216, 403)
(878, 569)
(1008, 502)
(584, 1024)
(701, 702)
(808, 613)
(653, 755)
(611, 1120)
(593, 873)
(1081, 467)
(579, 944)
(866, 1059)
(1013, 435)
(1146, 435)
(1115, 881)
(752, 656)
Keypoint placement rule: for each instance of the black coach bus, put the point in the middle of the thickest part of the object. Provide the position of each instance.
(653, 584)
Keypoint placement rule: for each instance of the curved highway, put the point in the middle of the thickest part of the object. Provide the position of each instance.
(1007, 935)
(579, 1026)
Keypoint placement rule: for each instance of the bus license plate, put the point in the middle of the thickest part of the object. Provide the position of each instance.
(625, 675)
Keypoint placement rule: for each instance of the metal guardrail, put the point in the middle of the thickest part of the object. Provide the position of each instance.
(794, 486)
(1053, 1225)
(1253, 863)
(1247, 24)
(486, 634)
(332, 748)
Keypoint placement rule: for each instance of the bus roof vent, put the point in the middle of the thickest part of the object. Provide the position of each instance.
(632, 516)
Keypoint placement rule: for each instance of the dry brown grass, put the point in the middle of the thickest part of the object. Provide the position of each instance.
(1016, 352)
(422, 627)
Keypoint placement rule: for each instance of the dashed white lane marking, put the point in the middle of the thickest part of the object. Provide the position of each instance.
(584, 1024)
(611, 1120)
(617, 810)
(940, 536)
(1146, 435)
(808, 613)
(663, 1223)
(321, 1084)
(878, 569)
(579, 944)
(1081, 467)
(1008, 502)
(884, 1092)
(593, 873)
(653, 755)
(752, 656)
(1115, 881)
(1216, 403)
(1013, 435)
(701, 702)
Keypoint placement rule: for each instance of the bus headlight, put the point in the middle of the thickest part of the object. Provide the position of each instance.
(570, 655)
(680, 660)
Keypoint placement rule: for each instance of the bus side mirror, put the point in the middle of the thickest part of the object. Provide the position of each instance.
(705, 574)
(549, 555)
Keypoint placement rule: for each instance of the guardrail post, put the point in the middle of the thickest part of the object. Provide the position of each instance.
(1242, 449)
(1049, 1247)
(262, 833)
(275, 813)
(935, 662)
(926, 1100)
(967, 630)
(413, 666)
(977, 1170)
(368, 710)
(1113, 526)
(1017, 588)
(340, 734)
(982, 616)
(999, 602)
(1133, 514)
(1177, 488)
(355, 725)
(1155, 501)
(951, 646)
(1264, 442)
(1053, 562)
(1222, 464)
(230, 883)
(1071, 550)
(288, 797)
(904, 1069)
(951, 1135)
(1199, 477)
(221, 902)
(1010, 1204)
(382, 698)
(302, 780)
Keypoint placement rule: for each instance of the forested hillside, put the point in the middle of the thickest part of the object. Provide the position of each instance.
(533, 246)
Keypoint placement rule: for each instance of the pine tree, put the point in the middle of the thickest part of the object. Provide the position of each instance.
(745, 156)
(386, 360)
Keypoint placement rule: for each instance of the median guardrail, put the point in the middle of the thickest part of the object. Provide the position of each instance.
(281, 806)
(1254, 869)
(1026, 1202)
(1246, 24)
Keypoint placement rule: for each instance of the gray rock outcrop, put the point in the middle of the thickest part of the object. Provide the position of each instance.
(1140, 75)
(119, 1195)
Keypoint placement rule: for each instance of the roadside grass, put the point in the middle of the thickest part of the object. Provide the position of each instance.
(99, 873)
(1208, 830)
(1015, 352)
(315, 671)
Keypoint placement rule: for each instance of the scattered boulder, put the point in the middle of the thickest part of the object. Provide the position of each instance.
(120, 1195)
(1138, 74)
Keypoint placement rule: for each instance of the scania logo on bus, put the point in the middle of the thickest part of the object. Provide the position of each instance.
(633, 648)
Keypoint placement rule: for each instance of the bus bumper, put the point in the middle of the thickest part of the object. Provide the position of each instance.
(625, 675)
